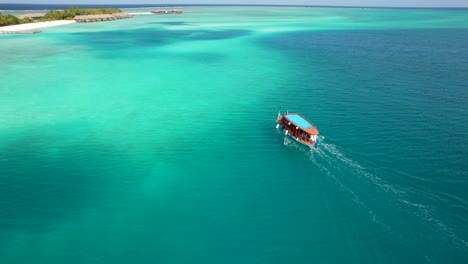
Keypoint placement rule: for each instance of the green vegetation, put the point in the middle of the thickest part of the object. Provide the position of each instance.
(25, 20)
(6, 20)
(70, 13)
(67, 14)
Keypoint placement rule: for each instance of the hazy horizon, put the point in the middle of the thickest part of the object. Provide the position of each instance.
(371, 3)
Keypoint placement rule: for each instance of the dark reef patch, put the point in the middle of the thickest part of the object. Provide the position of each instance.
(45, 179)
(150, 37)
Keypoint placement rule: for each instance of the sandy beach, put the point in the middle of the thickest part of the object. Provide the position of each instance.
(34, 26)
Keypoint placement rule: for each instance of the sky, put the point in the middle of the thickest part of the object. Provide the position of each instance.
(397, 3)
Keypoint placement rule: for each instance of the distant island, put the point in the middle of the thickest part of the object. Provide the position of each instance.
(79, 14)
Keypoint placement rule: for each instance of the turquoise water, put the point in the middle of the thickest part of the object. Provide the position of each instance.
(299, 120)
(152, 139)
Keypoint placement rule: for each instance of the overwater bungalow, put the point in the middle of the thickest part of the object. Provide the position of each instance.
(162, 12)
(103, 17)
(159, 12)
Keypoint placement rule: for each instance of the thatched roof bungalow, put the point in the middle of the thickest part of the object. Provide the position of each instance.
(103, 17)
(34, 16)
(161, 11)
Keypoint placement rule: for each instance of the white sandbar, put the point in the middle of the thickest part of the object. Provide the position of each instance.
(34, 26)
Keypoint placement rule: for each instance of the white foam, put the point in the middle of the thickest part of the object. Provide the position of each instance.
(141, 13)
(356, 199)
(332, 155)
(426, 214)
(376, 180)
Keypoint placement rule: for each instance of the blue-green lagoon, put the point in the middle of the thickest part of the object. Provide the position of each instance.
(152, 139)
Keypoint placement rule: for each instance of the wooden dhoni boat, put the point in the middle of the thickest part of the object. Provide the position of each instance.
(298, 128)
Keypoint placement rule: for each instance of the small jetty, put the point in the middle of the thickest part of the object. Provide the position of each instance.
(104, 17)
(164, 12)
(32, 31)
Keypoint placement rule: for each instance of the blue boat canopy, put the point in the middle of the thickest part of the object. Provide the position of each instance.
(299, 121)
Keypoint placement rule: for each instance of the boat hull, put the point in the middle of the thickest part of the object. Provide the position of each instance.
(283, 130)
(299, 128)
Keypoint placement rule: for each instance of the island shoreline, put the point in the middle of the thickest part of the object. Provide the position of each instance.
(25, 28)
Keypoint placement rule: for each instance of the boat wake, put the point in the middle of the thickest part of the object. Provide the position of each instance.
(329, 158)
(326, 153)
(336, 156)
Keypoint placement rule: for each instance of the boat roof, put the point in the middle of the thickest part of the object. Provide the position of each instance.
(300, 121)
